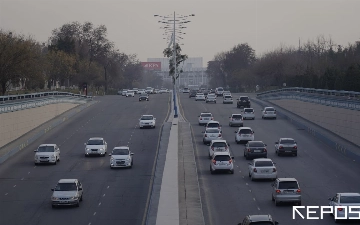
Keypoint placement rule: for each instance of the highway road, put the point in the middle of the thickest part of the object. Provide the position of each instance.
(110, 196)
(227, 198)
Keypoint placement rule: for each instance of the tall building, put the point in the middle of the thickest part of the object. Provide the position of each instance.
(193, 71)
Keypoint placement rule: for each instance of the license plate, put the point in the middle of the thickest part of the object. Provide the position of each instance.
(245, 135)
(219, 149)
(257, 150)
(206, 118)
(265, 171)
(44, 160)
(147, 123)
(288, 191)
(222, 164)
(287, 151)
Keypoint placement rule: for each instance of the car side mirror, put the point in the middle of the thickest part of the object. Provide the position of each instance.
(109, 154)
(80, 189)
(295, 142)
(35, 150)
(276, 222)
(228, 144)
(235, 132)
(232, 157)
(131, 153)
(276, 143)
(330, 199)
(265, 144)
(52, 189)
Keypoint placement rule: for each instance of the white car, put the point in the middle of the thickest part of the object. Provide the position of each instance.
(141, 91)
(211, 134)
(222, 161)
(227, 99)
(200, 97)
(244, 134)
(210, 98)
(47, 153)
(121, 157)
(345, 200)
(130, 93)
(249, 113)
(186, 90)
(67, 192)
(147, 121)
(205, 117)
(213, 124)
(123, 93)
(269, 112)
(149, 90)
(218, 146)
(262, 169)
(95, 146)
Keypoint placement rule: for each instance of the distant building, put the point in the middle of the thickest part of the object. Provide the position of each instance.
(193, 71)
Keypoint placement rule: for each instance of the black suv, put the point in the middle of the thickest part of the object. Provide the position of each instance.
(258, 219)
(243, 101)
(192, 93)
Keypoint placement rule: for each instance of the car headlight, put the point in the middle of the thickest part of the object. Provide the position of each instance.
(128, 159)
(112, 159)
(101, 149)
(53, 157)
(54, 198)
(87, 149)
(74, 198)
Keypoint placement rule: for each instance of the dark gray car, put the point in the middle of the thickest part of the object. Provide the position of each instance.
(286, 146)
(255, 149)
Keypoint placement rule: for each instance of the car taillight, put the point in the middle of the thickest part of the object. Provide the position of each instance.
(274, 169)
(232, 119)
(255, 170)
(205, 135)
(248, 150)
(280, 147)
(295, 147)
(230, 161)
(219, 128)
(340, 209)
(265, 150)
(226, 147)
(200, 118)
(212, 118)
(278, 191)
(219, 135)
(212, 148)
(298, 190)
(214, 161)
(252, 112)
(275, 112)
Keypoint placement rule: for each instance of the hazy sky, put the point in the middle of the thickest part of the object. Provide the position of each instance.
(217, 25)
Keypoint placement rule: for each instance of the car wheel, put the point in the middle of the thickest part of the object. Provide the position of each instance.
(272, 198)
(77, 204)
(249, 174)
(247, 157)
(299, 203)
(232, 171)
(209, 156)
(262, 117)
(230, 125)
(58, 159)
(211, 171)
(36, 164)
(253, 118)
(53, 206)
(215, 102)
(276, 202)
(55, 161)
(295, 154)
(81, 198)
(252, 178)
(111, 167)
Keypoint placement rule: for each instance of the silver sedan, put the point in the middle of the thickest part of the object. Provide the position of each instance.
(211, 134)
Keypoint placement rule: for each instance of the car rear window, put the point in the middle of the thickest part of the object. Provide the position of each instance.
(350, 199)
(212, 131)
(244, 98)
(219, 144)
(248, 110)
(263, 164)
(220, 89)
(222, 158)
(287, 142)
(46, 149)
(288, 185)
(213, 125)
(256, 144)
(237, 116)
(147, 118)
(206, 115)
(270, 109)
(95, 142)
(245, 131)
(227, 96)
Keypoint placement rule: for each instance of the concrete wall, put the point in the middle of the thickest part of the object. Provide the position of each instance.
(15, 124)
(343, 122)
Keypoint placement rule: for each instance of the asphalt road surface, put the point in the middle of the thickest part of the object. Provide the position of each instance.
(110, 196)
(228, 198)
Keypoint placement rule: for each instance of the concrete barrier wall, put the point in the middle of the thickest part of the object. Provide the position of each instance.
(15, 124)
(343, 122)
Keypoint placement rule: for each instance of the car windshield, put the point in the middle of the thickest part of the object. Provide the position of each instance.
(220, 89)
(288, 185)
(95, 142)
(248, 110)
(245, 131)
(287, 142)
(263, 163)
(237, 116)
(46, 149)
(227, 96)
(206, 115)
(222, 158)
(212, 131)
(219, 145)
(143, 95)
(211, 96)
(350, 199)
(256, 144)
(270, 109)
(213, 125)
(147, 117)
(130, 91)
(66, 187)
(244, 98)
(120, 152)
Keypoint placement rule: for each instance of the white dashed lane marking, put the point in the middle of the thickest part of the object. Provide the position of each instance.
(103, 195)
(99, 203)
(6, 193)
(15, 185)
(94, 213)
(258, 208)
(22, 178)
(254, 199)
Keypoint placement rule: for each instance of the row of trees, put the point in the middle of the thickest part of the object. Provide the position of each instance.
(316, 64)
(75, 54)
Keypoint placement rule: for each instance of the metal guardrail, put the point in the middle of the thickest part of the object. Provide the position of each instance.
(341, 99)
(16, 106)
(31, 96)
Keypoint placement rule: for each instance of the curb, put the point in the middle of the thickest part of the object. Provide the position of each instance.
(314, 132)
(39, 134)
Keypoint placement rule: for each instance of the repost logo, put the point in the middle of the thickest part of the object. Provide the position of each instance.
(317, 212)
